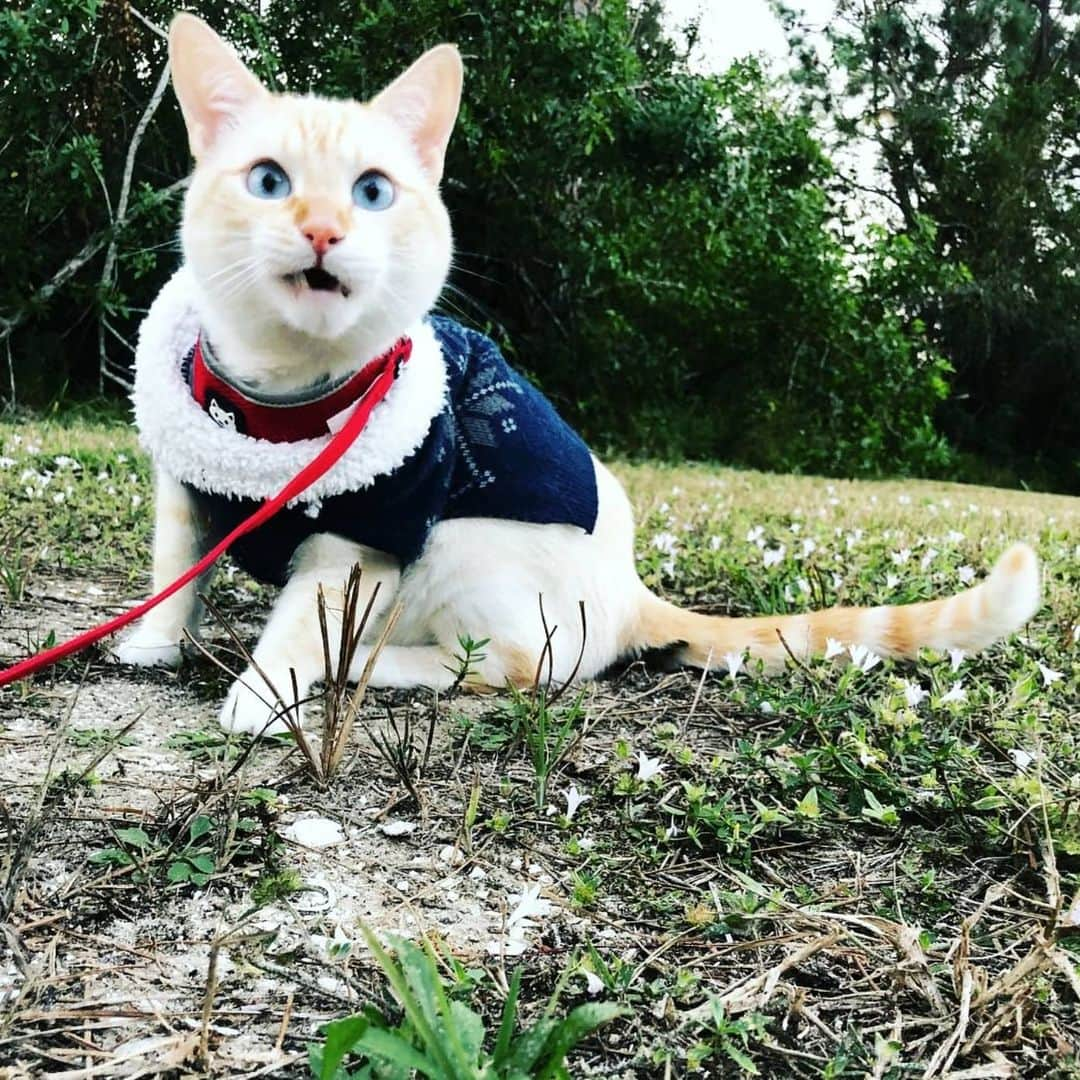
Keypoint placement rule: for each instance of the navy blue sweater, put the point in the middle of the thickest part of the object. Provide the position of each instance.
(498, 449)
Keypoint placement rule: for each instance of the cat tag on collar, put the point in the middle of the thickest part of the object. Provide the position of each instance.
(222, 412)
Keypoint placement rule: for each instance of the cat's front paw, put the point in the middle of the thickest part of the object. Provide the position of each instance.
(145, 647)
(252, 708)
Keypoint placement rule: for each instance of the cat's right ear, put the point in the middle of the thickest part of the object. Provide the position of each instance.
(212, 84)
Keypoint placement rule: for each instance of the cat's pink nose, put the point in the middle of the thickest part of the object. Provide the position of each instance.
(321, 237)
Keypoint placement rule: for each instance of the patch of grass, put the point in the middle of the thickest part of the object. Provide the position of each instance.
(442, 1038)
(838, 871)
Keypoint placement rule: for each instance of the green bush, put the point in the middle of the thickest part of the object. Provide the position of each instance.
(657, 249)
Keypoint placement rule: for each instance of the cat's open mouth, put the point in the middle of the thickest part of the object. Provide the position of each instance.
(318, 280)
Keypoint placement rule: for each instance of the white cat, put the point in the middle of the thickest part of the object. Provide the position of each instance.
(314, 239)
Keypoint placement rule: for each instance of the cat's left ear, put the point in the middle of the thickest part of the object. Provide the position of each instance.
(210, 80)
(424, 101)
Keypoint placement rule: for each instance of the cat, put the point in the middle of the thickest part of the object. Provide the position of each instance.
(314, 239)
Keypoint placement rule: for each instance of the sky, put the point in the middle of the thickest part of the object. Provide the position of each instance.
(734, 28)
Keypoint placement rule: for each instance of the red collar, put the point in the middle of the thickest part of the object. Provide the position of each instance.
(230, 407)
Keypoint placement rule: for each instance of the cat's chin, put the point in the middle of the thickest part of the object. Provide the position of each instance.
(322, 313)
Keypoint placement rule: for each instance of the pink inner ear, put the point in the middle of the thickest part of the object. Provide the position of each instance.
(424, 101)
(212, 84)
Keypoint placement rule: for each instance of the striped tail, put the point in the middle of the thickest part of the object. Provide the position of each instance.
(971, 620)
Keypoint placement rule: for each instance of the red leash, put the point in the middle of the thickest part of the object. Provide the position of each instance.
(317, 467)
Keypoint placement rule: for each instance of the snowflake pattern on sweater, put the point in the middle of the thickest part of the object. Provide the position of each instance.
(497, 449)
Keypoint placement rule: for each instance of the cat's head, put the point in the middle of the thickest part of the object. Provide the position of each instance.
(320, 217)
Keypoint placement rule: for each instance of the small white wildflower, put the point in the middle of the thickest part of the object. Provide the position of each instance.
(809, 546)
(966, 574)
(914, 694)
(58, 497)
(833, 648)
(715, 543)
(733, 661)
(904, 500)
(666, 542)
(135, 501)
(891, 581)
(755, 535)
(65, 462)
(956, 658)
(954, 537)
(900, 557)
(529, 905)
(928, 557)
(1021, 758)
(796, 527)
(1076, 634)
(767, 707)
(837, 582)
(122, 458)
(957, 694)
(6, 462)
(667, 567)
(773, 556)
(789, 596)
(804, 586)
(1050, 676)
(863, 658)
(648, 767)
(593, 983)
(574, 799)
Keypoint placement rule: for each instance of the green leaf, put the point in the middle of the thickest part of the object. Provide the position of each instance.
(205, 863)
(581, 1022)
(807, 806)
(134, 837)
(200, 827)
(509, 1016)
(341, 1036)
(396, 1050)
(739, 1057)
(178, 871)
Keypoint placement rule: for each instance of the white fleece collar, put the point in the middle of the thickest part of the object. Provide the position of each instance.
(189, 446)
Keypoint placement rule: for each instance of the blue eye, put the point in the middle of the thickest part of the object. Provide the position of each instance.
(268, 180)
(373, 191)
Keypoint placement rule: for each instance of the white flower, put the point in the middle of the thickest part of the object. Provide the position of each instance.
(666, 542)
(914, 694)
(900, 557)
(956, 658)
(6, 462)
(593, 983)
(529, 905)
(929, 556)
(966, 574)
(755, 534)
(58, 497)
(733, 661)
(804, 586)
(715, 543)
(863, 658)
(574, 799)
(767, 707)
(809, 546)
(772, 556)
(1021, 759)
(1076, 634)
(904, 500)
(833, 648)
(648, 767)
(957, 694)
(837, 582)
(795, 527)
(954, 537)
(1050, 676)
(891, 581)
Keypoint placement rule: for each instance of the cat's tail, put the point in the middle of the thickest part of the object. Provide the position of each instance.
(970, 620)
